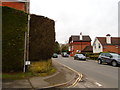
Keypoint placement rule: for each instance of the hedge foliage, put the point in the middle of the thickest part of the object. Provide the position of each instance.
(42, 38)
(14, 25)
(93, 56)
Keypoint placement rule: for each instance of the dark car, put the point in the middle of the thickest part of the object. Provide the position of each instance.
(109, 58)
(64, 54)
(79, 57)
(55, 55)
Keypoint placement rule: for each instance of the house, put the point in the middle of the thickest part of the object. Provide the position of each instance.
(77, 43)
(22, 5)
(106, 44)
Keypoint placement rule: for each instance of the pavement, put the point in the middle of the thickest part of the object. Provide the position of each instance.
(62, 78)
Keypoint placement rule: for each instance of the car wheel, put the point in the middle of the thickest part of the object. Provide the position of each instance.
(114, 63)
(99, 61)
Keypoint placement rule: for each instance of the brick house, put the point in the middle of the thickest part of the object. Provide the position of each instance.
(22, 5)
(106, 44)
(77, 43)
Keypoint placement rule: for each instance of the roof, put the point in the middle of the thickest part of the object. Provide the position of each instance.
(114, 40)
(77, 38)
(88, 49)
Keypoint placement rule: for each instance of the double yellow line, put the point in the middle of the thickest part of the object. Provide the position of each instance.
(79, 75)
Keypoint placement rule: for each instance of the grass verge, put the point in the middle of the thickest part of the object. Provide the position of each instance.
(38, 68)
(17, 75)
(42, 68)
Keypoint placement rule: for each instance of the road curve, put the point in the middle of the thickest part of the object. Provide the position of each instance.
(102, 75)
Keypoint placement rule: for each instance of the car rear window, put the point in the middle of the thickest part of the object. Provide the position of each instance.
(102, 54)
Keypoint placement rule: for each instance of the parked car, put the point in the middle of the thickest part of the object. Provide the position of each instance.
(109, 58)
(79, 57)
(64, 54)
(55, 55)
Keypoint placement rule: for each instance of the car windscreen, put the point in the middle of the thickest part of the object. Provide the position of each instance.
(115, 55)
(54, 54)
(80, 54)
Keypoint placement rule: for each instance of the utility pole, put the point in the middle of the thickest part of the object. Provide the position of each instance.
(26, 48)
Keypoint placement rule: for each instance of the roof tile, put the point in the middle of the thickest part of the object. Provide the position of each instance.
(76, 38)
(115, 40)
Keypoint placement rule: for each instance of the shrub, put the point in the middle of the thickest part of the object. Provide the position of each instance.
(42, 38)
(14, 25)
(93, 56)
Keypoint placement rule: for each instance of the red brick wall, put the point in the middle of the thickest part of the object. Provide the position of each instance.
(79, 46)
(16, 5)
(111, 48)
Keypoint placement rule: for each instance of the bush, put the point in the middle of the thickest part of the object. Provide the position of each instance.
(14, 25)
(93, 56)
(42, 38)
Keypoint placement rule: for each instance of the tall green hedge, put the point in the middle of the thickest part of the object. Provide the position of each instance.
(14, 25)
(42, 38)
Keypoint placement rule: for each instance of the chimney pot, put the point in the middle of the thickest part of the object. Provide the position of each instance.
(81, 36)
(108, 35)
(108, 39)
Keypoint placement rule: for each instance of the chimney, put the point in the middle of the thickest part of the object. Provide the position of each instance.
(81, 38)
(108, 39)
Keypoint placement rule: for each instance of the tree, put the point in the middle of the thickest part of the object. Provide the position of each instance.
(57, 48)
(64, 48)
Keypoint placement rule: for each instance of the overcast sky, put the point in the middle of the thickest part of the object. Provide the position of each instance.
(95, 18)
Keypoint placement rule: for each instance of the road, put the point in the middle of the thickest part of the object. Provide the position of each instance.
(103, 76)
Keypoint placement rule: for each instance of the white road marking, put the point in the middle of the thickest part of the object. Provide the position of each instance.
(79, 75)
(98, 84)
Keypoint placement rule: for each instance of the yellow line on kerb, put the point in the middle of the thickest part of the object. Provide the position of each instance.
(79, 75)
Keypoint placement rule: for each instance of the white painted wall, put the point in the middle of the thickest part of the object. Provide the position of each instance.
(97, 49)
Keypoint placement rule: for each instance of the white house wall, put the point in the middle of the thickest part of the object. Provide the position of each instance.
(97, 49)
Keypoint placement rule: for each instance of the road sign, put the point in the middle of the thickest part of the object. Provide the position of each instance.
(27, 63)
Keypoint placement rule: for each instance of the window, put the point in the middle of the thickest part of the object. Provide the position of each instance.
(72, 47)
(94, 46)
(102, 54)
(116, 46)
(104, 46)
(107, 55)
(99, 45)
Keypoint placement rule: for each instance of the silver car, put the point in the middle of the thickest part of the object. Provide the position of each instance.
(79, 57)
(109, 58)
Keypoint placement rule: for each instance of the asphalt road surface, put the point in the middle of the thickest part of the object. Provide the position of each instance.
(95, 75)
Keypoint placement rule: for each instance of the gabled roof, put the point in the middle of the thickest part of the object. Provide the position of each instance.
(76, 38)
(114, 40)
(88, 49)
